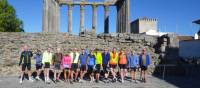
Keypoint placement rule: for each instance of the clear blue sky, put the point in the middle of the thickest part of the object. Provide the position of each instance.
(173, 15)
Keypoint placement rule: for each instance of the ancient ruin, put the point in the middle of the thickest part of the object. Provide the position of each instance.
(51, 14)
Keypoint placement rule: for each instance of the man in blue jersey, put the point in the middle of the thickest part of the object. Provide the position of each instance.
(106, 59)
(83, 65)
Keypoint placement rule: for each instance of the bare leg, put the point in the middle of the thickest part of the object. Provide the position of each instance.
(65, 76)
(69, 74)
(92, 76)
(76, 74)
(140, 74)
(113, 72)
(122, 74)
(29, 75)
(47, 70)
(21, 78)
(72, 75)
(144, 76)
(125, 72)
(38, 72)
(97, 77)
(20, 72)
(55, 73)
(83, 73)
(58, 75)
(45, 74)
(132, 75)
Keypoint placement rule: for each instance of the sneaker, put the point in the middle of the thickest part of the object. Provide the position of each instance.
(122, 81)
(37, 78)
(80, 80)
(114, 79)
(57, 80)
(70, 82)
(91, 81)
(54, 80)
(97, 81)
(144, 80)
(47, 81)
(31, 80)
(20, 81)
(75, 80)
(135, 81)
(106, 81)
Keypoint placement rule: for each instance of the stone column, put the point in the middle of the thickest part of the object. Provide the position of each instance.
(54, 15)
(70, 18)
(94, 17)
(50, 15)
(45, 16)
(57, 18)
(124, 28)
(82, 18)
(123, 12)
(120, 19)
(120, 16)
(106, 19)
(128, 16)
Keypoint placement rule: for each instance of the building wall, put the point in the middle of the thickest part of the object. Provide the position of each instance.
(10, 44)
(135, 27)
(143, 25)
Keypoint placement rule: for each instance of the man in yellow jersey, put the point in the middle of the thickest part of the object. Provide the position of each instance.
(47, 60)
(113, 62)
(98, 56)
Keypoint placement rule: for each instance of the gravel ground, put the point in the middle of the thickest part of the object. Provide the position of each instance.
(152, 82)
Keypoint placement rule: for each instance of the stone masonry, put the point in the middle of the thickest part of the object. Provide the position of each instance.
(11, 42)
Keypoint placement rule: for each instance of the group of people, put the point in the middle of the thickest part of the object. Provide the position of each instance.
(94, 62)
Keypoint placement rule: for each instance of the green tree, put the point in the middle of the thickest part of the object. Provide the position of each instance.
(8, 19)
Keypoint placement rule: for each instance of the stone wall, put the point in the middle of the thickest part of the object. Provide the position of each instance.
(10, 44)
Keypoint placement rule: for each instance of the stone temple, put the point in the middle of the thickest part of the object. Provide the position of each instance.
(166, 46)
(51, 14)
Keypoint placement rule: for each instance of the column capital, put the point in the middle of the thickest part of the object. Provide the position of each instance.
(70, 3)
(106, 6)
(94, 5)
(82, 3)
(82, 7)
(70, 6)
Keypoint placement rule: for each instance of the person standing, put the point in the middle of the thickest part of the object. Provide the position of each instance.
(83, 65)
(133, 62)
(123, 64)
(25, 62)
(144, 61)
(47, 61)
(38, 65)
(91, 65)
(57, 58)
(106, 58)
(20, 67)
(98, 56)
(113, 63)
(66, 63)
(75, 63)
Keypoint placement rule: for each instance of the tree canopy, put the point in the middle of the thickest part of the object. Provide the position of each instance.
(8, 19)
